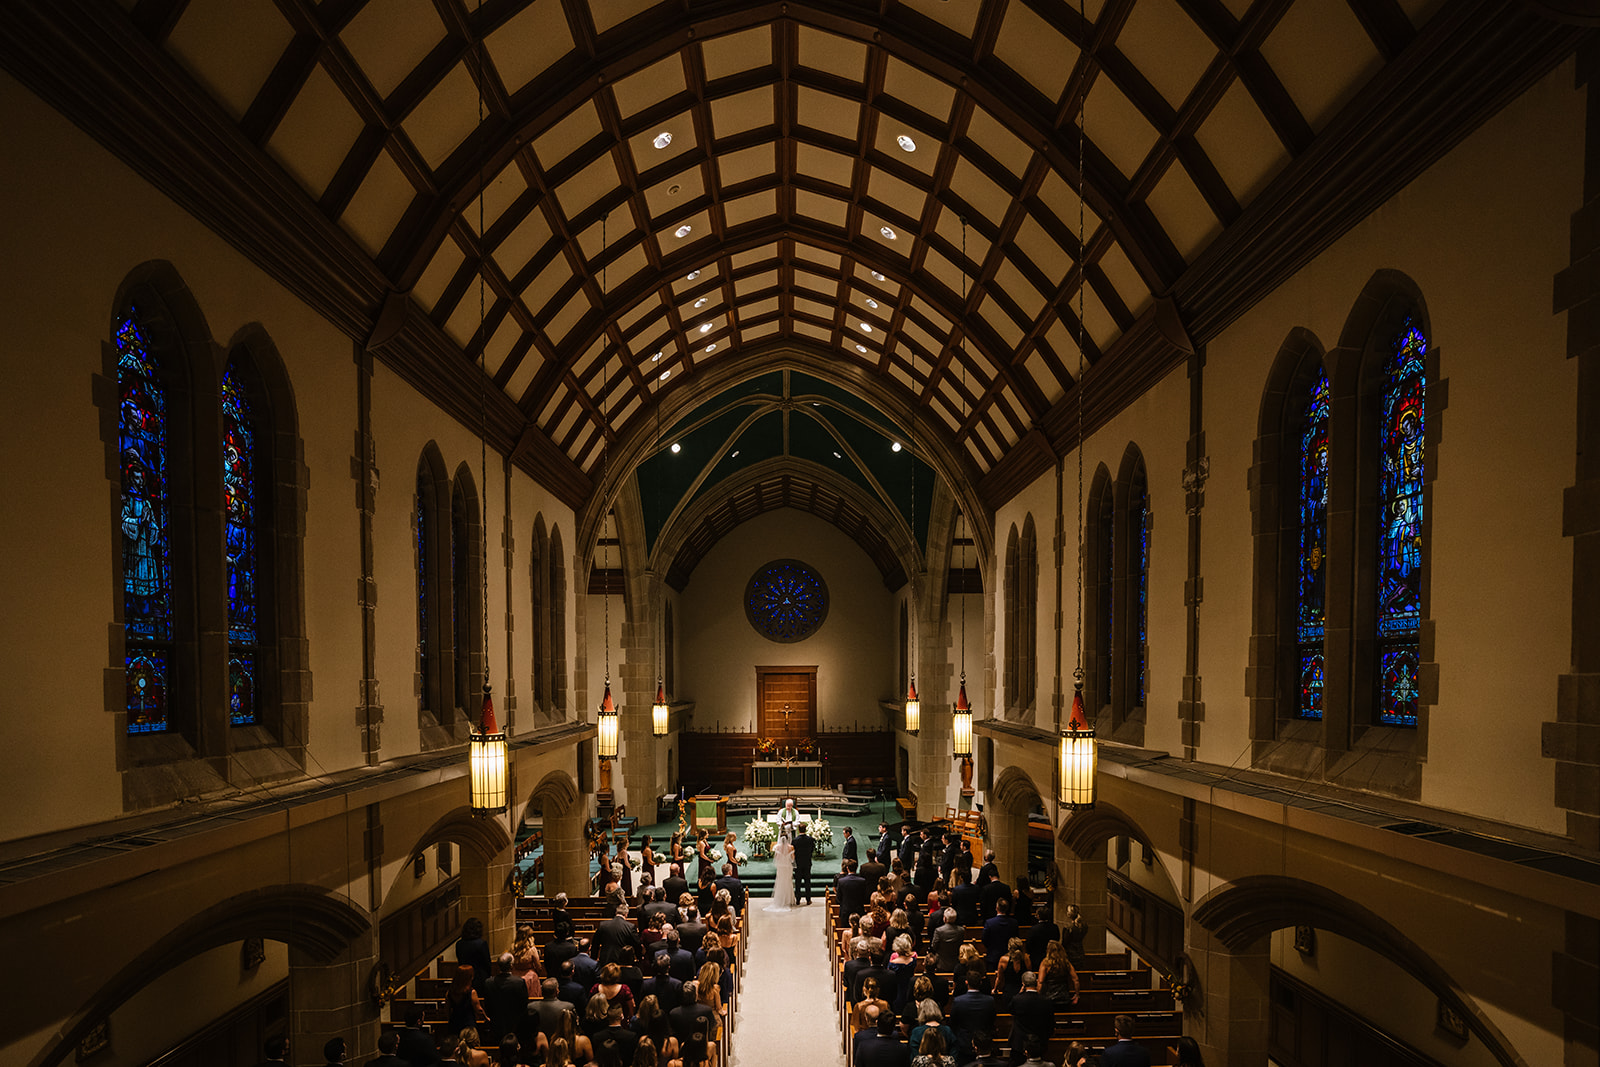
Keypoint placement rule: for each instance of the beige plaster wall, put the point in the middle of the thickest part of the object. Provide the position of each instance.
(856, 650)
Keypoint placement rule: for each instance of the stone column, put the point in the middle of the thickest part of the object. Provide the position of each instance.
(333, 999)
(1008, 836)
(1230, 1015)
(566, 860)
(484, 895)
(1082, 882)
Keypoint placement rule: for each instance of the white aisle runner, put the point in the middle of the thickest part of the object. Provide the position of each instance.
(786, 1013)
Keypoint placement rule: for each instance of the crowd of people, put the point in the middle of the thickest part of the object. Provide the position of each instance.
(651, 986)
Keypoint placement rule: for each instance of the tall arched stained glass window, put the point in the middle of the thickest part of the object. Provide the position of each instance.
(420, 533)
(1105, 610)
(146, 531)
(1139, 520)
(460, 592)
(240, 495)
(1311, 615)
(1399, 560)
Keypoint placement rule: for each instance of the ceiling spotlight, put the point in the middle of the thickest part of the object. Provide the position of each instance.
(837, 456)
(712, 347)
(890, 234)
(682, 231)
(896, 446)
(664, 138)
(676, 448)
(702, 302)
(871, 303)
(691, 276)
(735, 454)
(877, 277)
(904, 141)
(656, 358)
(862, 349)
(664, 374)
(705, 327)
(866, 327)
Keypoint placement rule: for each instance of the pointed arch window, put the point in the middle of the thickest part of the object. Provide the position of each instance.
(435, 684)
(539, 595)
(1311, 572)
(247, 516)
(1397, 624)
(1139, 593)
(146, 522)
(466, 585)
(558, 623)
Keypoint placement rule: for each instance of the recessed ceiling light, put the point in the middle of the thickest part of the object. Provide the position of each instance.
(890, 234)
(674, 189)
(861, 348)
(664, 374)
(735, 454)
(692, 275)
(705, 327)
(866, 327)
(871, 303)
(676, 448)
(877, 276)
(664, 138)
(712, 347)
(904, 141)
(896, 446)
(702, 302)
(656, 358)
(682, 231)
(837, 456)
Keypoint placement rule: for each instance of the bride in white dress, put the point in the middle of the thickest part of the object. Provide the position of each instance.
(783, 877)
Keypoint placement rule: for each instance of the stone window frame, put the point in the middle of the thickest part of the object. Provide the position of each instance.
(539, 599)
(1110, 691)
(202, 751)
(1347, 744)
(1021, 650)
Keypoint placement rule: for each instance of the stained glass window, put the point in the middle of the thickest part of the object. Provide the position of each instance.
(146, 529)
(1399, 562)
(1105, 612)
(460, 601)
(1311, 572)
(240, 502)
(1139, 519)
(786, 600)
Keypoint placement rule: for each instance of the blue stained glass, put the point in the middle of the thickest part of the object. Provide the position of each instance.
(1399, 564)
(1141, 518)
(1311, 595)
(242, 707)
(786, 601)
(424, 665)
(145, 520)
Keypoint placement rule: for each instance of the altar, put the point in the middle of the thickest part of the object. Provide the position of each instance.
(792, 774)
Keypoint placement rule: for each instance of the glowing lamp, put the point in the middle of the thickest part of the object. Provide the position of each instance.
(961, 723)
(913, 709)
(486, 760)
(1079, 757)
(608, 725)
(659, 712)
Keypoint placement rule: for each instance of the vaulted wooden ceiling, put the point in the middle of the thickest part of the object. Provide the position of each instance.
(603, 202)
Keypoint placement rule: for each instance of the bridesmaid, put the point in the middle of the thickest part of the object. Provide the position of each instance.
(624, 867)
(702, 848)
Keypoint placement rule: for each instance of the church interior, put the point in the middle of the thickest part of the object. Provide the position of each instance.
(701, 379)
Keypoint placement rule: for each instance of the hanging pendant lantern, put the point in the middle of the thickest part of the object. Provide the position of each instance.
(659, 711)
(913, 708)
(608, 725)
(486, 758)
(961, 723)
(1079, 756)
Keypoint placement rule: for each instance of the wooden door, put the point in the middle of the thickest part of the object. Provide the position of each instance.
(786, 703)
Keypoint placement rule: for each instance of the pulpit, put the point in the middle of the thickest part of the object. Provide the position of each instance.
(710, 813)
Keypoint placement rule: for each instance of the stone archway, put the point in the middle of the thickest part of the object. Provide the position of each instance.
(1228, 931)
(485, 867)
(332, 949)
(1081, 863)
(1014, 795)
(566, 859)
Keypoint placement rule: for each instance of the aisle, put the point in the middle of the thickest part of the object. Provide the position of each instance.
(786, 1011)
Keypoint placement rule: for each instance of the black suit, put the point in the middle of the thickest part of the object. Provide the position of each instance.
(971, 1013)
(505, 1000)
(667, 991)
(989, 895)
(416, 1047)
(735, 889)
(675, 887)
(848, 852)
(851, 892)
(691, 934)
(615, 941)
(667, 910)
(804, 846)
(964, 898)
(876, 1050)
(1031, 1014)
(885, 848)
(388, 1061)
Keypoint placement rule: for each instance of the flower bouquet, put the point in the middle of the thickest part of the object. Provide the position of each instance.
(766, 746)
(760, 834)
(822, 834)
(807, 747)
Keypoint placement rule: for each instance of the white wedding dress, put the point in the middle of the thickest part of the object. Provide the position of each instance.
(783, 877)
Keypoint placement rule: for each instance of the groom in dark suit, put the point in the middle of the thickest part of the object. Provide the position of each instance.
(804, 846)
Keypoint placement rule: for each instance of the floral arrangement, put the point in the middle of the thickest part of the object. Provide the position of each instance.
(761, 834)
(822, 834)
(766, 746)
(807, 747)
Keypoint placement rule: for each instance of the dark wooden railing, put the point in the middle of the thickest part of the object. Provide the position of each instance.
(1310, 1030)
(410, 938)
(1147, 924)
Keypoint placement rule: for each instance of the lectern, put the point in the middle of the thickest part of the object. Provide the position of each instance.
(710, 813)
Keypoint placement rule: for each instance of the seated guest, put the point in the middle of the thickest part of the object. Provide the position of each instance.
(1126, 1052)
(388, 1045)
(416, 1041)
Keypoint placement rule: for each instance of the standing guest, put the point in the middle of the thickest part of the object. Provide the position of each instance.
(416, 1042)
(988, 872)
(469, 1048)
(964, 897)
(869, 996)
(695, 1026)
(885, 845)
(653, 1026)
(388, 1046)
(525, 963)
(662, 985)
(925, 873)
(1009, 970)
(930, 1017)
(680, 961)
(897, 876)
(561, 919)
(275, 1049)
(1126, 1052)
(998, 932)
(1033, 1048)
(972, 1013)
(1058, 979)
(462, 1004)
(558, 952)
(1073, 934)
(615, 938)
(614, 1044)
(574, 991)
(931, 1052)
(945, 944)
(1033, 1018)
(661, 904)
(984, 1055)
(585, 968)
(1044, 931)
(473, 950)
(691, 932)
(1075, 1056)
(1022, 905)
(568, 1039)
(847, 851)
(614, 989)
(505, 999)
(675, 884)
(735, 888)
(1186, 1053)
(902, 968)
(510, 1053)
(805, 847)
(881, 1047)
(445, 1046)
(990, 894)
(543, 1014)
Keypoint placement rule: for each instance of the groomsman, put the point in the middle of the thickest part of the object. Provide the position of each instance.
(804, 846)
(885, 847)
(849, 850)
